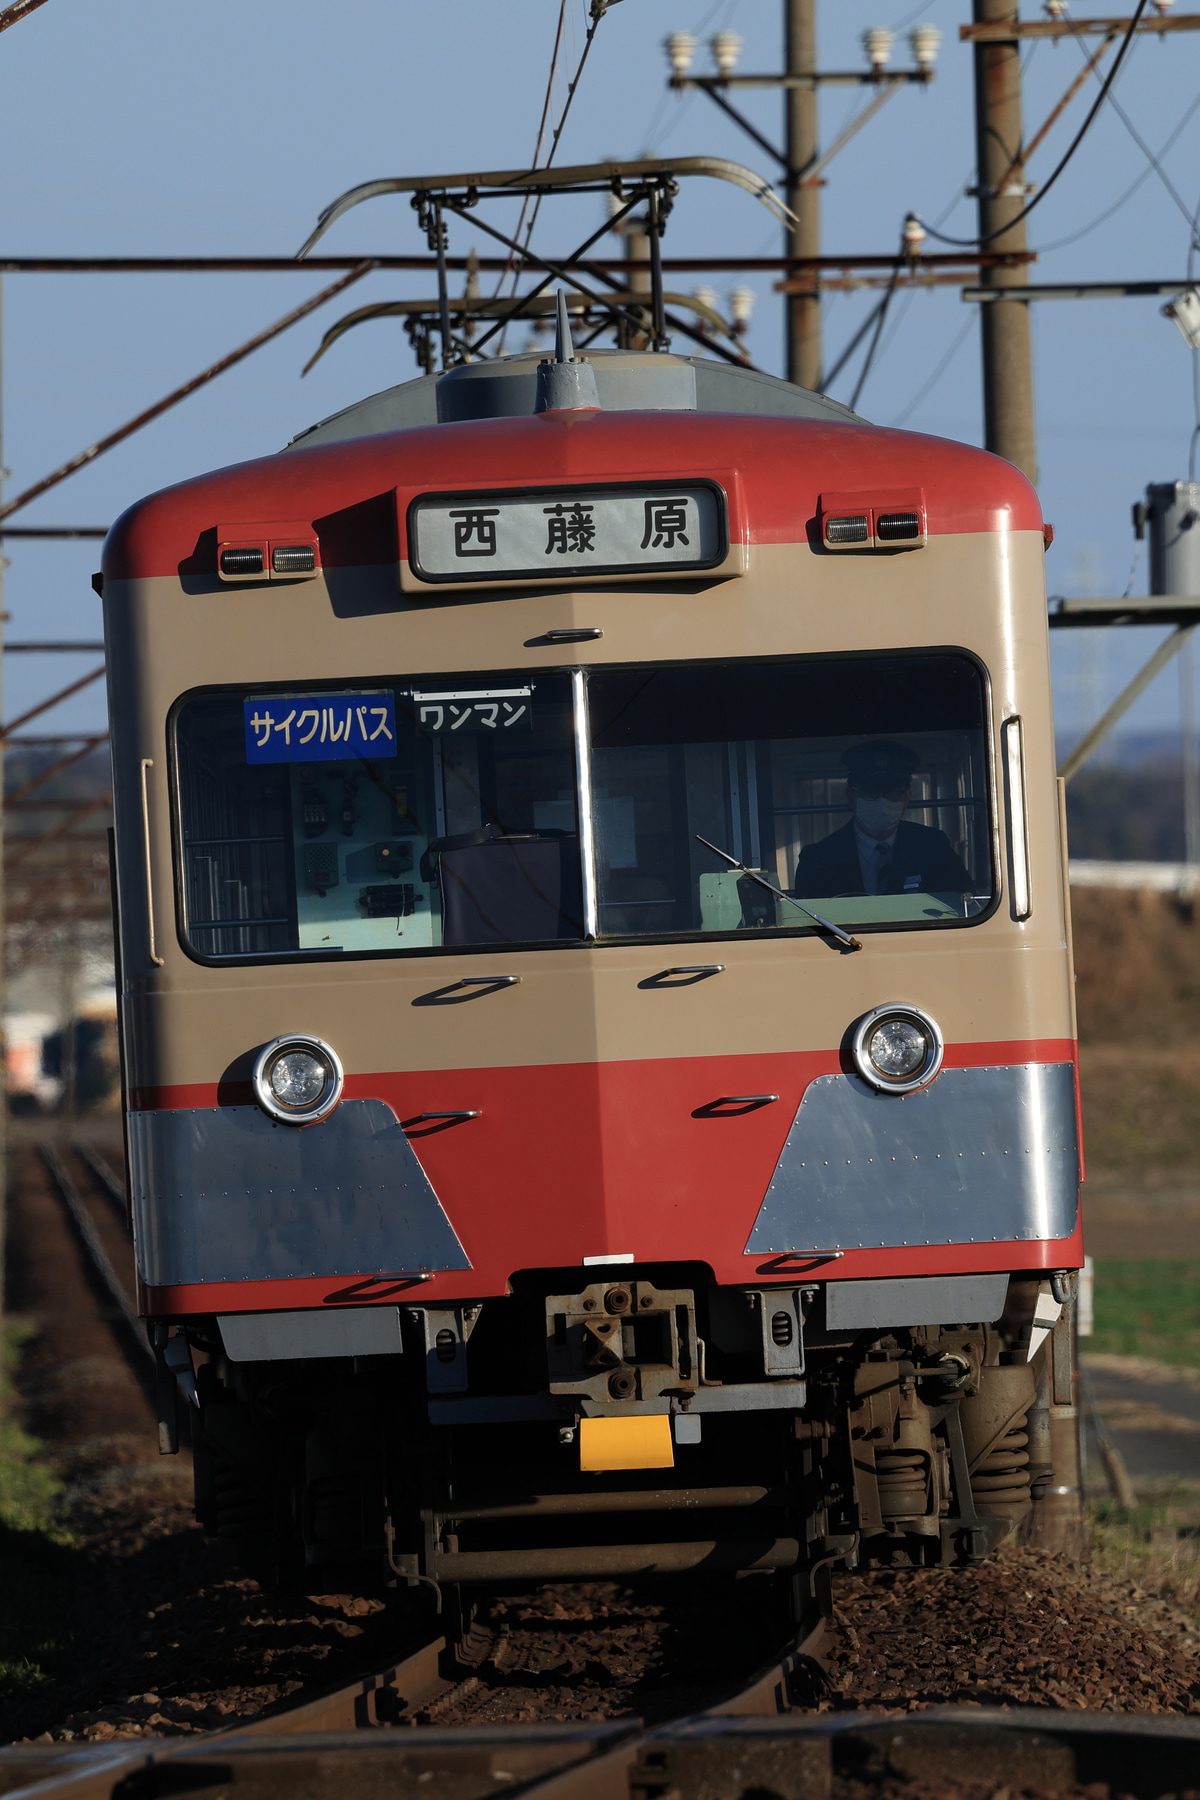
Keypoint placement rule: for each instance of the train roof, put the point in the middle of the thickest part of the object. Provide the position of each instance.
(785, 447)
(504, 387)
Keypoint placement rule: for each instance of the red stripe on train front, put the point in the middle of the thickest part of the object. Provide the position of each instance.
(580, 1160)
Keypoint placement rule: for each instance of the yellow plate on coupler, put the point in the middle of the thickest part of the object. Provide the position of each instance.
(637, 1443)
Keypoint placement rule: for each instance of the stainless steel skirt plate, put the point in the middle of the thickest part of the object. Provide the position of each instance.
(223, 1194)
(979, 1156)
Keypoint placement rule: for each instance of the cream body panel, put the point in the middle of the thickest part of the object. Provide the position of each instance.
(583, 1006)
(999, 981)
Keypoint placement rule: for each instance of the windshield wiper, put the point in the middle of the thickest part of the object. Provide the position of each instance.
(843, 937)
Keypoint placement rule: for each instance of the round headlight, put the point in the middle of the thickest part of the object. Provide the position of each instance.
(297, 1080)
(897, 1049)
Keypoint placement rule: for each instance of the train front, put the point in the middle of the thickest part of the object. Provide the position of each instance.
(596, 996)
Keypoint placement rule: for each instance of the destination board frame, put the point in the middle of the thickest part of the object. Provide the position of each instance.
(415, 578)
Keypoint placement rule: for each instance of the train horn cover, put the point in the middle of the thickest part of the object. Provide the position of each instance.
(566, 382)
(897, 1049)
(297, 1080)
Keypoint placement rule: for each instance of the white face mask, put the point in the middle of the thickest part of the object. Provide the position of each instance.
(878, 818)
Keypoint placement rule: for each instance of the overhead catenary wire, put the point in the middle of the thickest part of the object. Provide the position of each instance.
(1072, 147)
(511, 266)
(598, 10)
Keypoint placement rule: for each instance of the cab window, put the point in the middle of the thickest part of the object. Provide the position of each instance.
(858, 786)
(384, 817)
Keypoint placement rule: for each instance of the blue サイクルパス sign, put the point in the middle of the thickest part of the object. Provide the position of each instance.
(319, 727)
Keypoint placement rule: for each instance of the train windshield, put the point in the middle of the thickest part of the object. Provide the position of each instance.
(858, 786)
(401, 815)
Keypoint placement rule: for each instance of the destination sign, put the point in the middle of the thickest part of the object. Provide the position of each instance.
(566, 532)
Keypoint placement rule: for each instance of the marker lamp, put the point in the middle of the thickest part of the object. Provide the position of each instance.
(297, 1080)
(293, 559)
(853, 530)
(242, 560)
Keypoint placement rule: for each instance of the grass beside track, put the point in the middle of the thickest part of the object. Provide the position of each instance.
(37, 1560)
(1149, 1308)
(1156, 1546)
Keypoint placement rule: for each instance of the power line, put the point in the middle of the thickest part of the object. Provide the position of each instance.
(932, 381)
(650, 134)
(897, 324)
(924, 7)
(874, 344)
(1101, 97)
(1143, 146)
(829, 377)
(1130, 191)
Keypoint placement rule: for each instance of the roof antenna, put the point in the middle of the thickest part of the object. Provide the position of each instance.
(568, 382)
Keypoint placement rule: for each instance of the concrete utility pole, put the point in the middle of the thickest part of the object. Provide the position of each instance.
(3, 982)
(803, 238)
(1004, 324)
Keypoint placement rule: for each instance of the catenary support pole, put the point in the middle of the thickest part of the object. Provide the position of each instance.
(804, 237)
(3, 933)
(1190, 754)
(1004, 325)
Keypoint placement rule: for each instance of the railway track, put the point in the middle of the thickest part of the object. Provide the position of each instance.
(71, 1278)
(350, 1742)
(116, 1286)
(543, 1700)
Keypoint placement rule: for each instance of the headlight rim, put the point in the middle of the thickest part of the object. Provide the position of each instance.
(265, 1095)
(935, 1048)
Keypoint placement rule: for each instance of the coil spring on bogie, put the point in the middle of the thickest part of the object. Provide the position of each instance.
(900, 1476)
(1002, 1477)
(243, 1509)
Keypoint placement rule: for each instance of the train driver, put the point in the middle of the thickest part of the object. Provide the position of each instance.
(879, 851)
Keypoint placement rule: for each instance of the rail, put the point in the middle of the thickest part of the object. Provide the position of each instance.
(721, 1752)
(332, 1741)
(90, 1239)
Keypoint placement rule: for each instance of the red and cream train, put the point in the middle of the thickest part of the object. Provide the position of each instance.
(595, 981)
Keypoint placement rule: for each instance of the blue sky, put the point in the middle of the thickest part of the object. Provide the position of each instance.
(148, 127)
